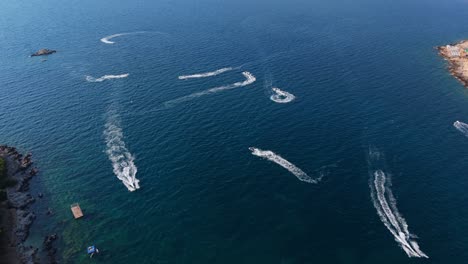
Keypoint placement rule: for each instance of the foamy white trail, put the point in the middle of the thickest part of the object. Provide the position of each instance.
(122, 160)
(462, 127)
(385, 204)
(281, 96)
(249, 79)
(106, 77)
(271, 156)
(204, 75)
(107, 39)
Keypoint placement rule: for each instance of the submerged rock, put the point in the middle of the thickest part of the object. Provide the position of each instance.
(48, 241)
(42, 52)
(47, 245)
(27, 254)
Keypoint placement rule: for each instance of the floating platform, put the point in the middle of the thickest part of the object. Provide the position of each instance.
(76, 210)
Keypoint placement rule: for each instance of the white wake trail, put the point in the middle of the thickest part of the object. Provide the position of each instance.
(249, 79)
(462, 127)
(205, 74)
(106, 77)
(107, 39)
(385, 203)
(393, 203)
(121, 158)
(271, 156)
(281, 96)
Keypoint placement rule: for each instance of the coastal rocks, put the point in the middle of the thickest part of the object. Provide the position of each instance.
(457, 56)
(26, 161)
(17, 166)
(8, 149)
(23, 180)
(24, 221)
(27, 255)
(19, 200)
(43, 52)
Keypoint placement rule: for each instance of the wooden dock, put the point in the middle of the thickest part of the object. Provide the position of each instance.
(76, 210)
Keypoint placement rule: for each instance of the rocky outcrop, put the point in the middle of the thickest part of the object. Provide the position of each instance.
(19, 200)
(24, 221)
(457, 56)
(19, 169)
(42, 52)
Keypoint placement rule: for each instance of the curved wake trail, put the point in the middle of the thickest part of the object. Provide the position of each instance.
(122, 160)
(206, 74)
(385, 204)
(281, 96)
(271, 156)
(106, 77)
(249, 79)
(462, 127)
(107, 39)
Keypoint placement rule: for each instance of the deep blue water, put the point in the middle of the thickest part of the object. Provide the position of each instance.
(364, 73)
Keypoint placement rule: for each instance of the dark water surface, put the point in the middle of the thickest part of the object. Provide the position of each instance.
(364, 73)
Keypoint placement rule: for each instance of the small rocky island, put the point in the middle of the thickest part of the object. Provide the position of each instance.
(43, 52)
(457, 56)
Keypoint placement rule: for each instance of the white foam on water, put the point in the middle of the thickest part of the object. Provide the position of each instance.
(281, 96)
(106, 77)
(249, 79)
(107, 39)
(271, 156)
(385, 203)
(122, 160)
(205, 74)
(462, 127)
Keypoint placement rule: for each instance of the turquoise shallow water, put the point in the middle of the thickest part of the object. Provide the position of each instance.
(364, 73)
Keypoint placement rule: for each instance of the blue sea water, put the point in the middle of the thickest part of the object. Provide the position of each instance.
(365, 75)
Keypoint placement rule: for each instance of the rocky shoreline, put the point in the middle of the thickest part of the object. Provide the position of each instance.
(19, 168)
(457, 56)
